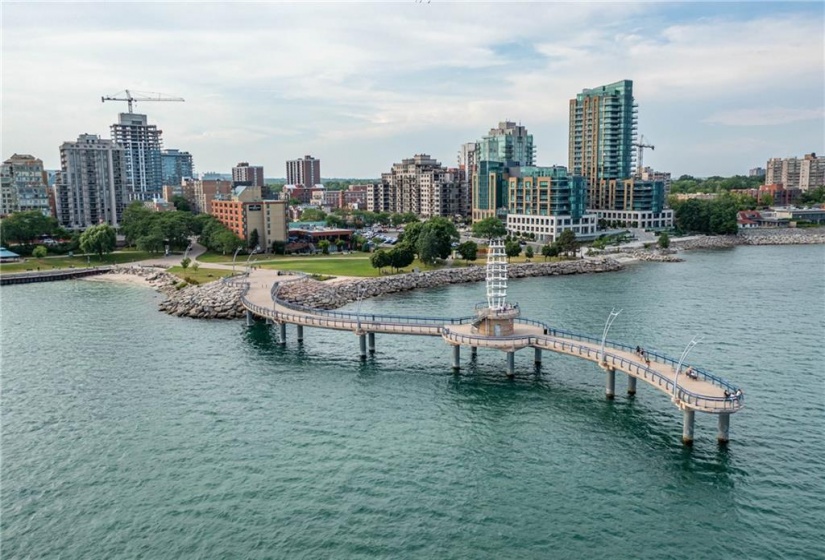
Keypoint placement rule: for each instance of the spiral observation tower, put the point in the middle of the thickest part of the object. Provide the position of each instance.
(496, 317)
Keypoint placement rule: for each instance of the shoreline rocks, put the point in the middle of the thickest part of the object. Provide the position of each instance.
(321, 295)
(778, 236)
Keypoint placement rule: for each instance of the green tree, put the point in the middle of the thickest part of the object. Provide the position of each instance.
(664, 240)
(181, 204)
(567, 241)
(26, 227)
(40, 252)
(766, 200)
(512, 248)
(489, 228)
(324, 246)
(184, 264)
(410, 234)
(401, 256)
(528, 252)
(136, 222)
(279, 247)
(335, 221)
(175, 227)
(313, 215)
(225, 241)
(98, 239)
(548, 250)
(468, 250)
(380, 259)
(152, 242)
(254, 239)
(436, 239)
(339, 244)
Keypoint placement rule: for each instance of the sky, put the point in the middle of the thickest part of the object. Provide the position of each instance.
(720, 87)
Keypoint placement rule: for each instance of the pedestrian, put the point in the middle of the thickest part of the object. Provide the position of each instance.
(638, 350)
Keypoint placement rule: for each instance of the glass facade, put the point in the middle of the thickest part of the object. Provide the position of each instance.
(176, 165)
(546, 191)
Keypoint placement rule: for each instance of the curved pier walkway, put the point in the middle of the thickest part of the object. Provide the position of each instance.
(691, 390)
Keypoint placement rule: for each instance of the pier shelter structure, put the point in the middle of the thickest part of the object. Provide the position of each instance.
(497, 324)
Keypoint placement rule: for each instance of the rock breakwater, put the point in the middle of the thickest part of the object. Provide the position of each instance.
(321, 295)
(778, 236)
(216, 300)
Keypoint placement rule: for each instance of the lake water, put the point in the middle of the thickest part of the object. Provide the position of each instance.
(128, 433)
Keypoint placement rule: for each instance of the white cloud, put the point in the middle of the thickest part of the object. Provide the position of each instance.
(275, 80)
(765, 116)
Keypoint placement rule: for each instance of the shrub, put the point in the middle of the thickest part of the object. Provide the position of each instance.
(39, 252)
(191, 280)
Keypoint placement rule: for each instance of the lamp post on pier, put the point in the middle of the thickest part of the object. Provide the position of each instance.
(607, 325)
(235, 256)
(685, 352)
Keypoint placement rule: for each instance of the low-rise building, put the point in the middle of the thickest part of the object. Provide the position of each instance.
(244, 211)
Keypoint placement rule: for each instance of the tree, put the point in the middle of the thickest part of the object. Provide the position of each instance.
(25, 227)
(766, 199)
(380, 259)
(225, 241)
(567, 241)
(549, 251)
(335, 221)
(181, 204)
(468, 250)
(324, 246)
(136, 222)
(254, 239)
(489, 228)
(528, 252)
(401, 256)
(512, 248)
(98, 239)
(40, 252)
(184, 264)
(152, 242)
(664, 240)
(279, 247)
(410, 234)
(174, 226)
(313, 215)
(339, 244)
(436, 239)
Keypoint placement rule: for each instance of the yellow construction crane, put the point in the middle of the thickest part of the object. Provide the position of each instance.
(135, 96)
(640, 146)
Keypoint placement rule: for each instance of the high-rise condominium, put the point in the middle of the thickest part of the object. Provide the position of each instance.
(176, 166)
(601, 137)
(245, 175)
(91, 187)
(24, 185)
(142, 144)
(305, 171)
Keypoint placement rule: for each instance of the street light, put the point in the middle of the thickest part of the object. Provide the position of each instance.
(685, 352)
(362, 289)
(255, 250)
(607, 324)
(235, 256)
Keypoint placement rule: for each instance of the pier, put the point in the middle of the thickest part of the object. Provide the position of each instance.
(497, 325)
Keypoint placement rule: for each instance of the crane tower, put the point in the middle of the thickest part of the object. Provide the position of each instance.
(132, 97)
(640, 146)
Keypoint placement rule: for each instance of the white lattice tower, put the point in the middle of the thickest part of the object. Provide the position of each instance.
(496, 274)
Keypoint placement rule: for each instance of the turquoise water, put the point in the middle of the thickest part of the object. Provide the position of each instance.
(127, 433)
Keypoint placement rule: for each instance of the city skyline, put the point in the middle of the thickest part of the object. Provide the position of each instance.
(721, 88)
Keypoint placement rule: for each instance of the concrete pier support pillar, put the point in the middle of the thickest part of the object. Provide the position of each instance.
(687, 428)
(249, 319)
(456, 357)
(537, 358)
(724, 428)
(300, 333)
(631, 385)
(511, 364)
(371, 342)
(269, 321)
(610, 383)
(473, 352)
(362, 343)
(282, 333)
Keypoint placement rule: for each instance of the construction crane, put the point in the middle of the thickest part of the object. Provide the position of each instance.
(640, 147)
(135, 96)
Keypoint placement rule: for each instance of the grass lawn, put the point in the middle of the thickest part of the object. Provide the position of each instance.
(203, 275)
(78, 261)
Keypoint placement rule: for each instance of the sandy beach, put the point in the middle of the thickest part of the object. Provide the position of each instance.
(119, 278)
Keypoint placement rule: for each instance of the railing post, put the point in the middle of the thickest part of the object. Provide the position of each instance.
(722, 435)
(631, 385)
(456, 357)
(371, 341)
(511, 364)
(610, 383)
(687, 428)
(300, 329)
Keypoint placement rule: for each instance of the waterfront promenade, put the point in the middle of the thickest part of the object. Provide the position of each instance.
(689, 387)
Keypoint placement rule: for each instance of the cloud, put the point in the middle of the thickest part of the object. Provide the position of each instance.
(276, 80)
(765, 116)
